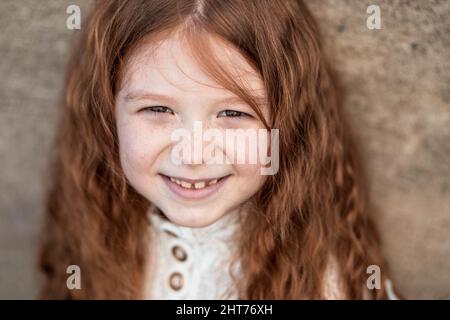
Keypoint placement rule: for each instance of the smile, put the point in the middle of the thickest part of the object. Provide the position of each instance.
(195, 189)
(194, 185)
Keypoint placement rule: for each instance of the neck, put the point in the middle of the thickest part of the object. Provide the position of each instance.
(223, 229)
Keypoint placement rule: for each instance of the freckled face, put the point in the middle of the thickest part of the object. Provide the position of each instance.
(163, 90)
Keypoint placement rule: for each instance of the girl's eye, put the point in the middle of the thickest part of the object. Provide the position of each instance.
(232, 114)
(158, 109)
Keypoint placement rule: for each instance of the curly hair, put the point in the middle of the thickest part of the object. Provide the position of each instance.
(314, 208)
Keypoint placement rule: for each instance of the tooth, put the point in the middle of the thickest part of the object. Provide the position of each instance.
(212, 182)
(185, 184)
(178, 181)
(200, 185)
(172, 179)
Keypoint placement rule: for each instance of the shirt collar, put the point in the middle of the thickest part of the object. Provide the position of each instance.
(221, 230)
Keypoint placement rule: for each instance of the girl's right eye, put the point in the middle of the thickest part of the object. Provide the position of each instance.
(157, 109)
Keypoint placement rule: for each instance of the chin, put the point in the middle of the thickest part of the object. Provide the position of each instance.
(191, 217)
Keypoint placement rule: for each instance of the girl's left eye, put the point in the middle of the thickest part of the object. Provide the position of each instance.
(158, 109)
(232, 114)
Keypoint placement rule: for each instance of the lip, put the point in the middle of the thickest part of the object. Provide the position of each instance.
(194, 194)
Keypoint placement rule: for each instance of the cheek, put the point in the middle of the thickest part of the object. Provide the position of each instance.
(139, 146)
(247, 170)
(250, 178)
(249, 181)
(248, 141)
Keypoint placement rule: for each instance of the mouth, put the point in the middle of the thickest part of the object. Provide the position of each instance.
(194, 189)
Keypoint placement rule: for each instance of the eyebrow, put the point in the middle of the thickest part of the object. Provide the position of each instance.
(141, 95)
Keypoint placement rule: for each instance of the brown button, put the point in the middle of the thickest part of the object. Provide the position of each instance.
(179, 253)
(176, 281)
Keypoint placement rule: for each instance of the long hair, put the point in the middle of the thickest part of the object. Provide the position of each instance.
(311, 212)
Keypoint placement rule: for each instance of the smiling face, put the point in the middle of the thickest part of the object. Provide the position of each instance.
(163, 90)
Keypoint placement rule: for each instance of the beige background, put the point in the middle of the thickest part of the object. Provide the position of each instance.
(398, 95)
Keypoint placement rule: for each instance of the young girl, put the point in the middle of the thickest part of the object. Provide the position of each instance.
(140, 225)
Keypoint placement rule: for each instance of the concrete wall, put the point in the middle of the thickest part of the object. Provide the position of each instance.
(397, 81)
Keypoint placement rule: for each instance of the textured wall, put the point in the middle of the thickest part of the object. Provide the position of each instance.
(397, 81)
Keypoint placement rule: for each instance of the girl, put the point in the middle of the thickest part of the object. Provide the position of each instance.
(141, 226)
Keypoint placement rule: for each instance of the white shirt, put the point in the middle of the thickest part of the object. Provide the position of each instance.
(191, 263)
(194, 263)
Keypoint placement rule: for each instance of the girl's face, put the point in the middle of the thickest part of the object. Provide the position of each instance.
(163, 92)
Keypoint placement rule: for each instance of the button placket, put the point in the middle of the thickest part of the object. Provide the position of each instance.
(198, 271)
(180, 276)
(195, 261)
(191, 257)
(209, 252)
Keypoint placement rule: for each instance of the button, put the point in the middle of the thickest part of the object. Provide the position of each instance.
(179, 253)
(176, 281)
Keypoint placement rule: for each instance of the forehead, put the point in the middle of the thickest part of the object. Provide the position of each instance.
(169, 65)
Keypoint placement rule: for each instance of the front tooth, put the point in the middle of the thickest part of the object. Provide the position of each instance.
(212, 182)
(186, 185)
(200, 185)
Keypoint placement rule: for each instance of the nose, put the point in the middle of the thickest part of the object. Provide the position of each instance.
(189, 144)
(197, 143)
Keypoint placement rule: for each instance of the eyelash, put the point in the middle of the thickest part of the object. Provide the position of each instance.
(163, 109)
(236, 114)
(158, 109)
